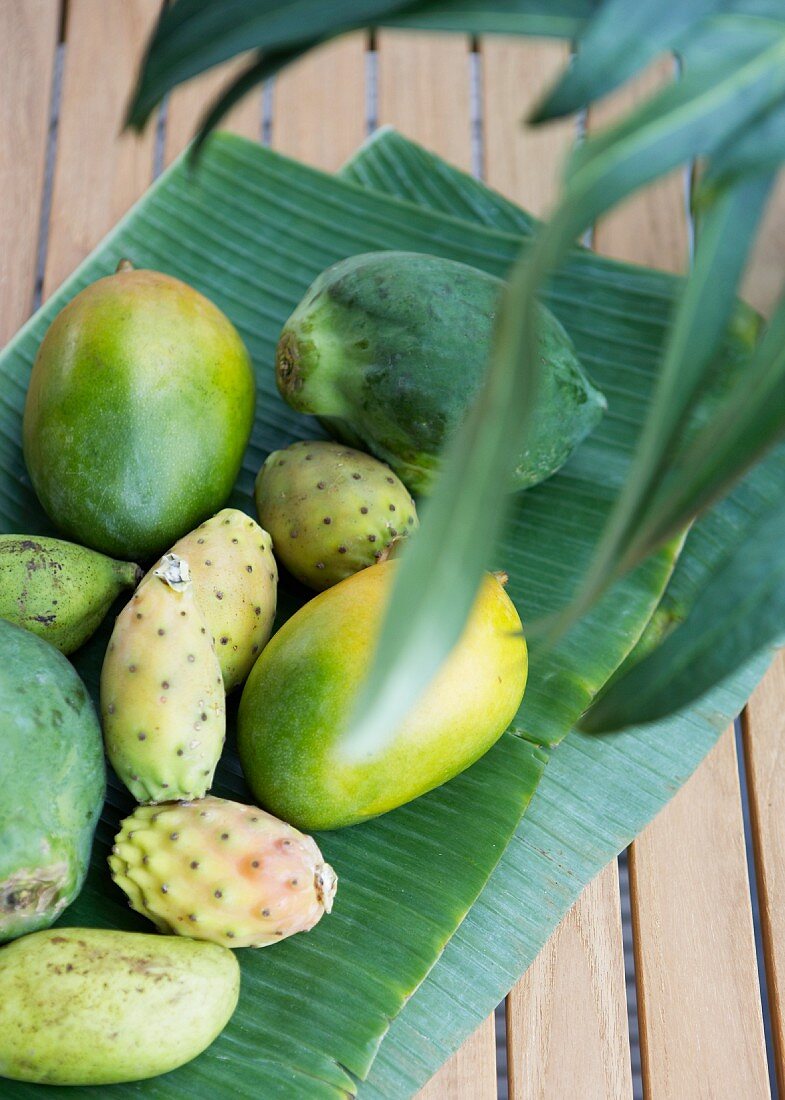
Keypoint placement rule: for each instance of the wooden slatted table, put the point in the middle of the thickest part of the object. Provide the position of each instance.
(65, 73)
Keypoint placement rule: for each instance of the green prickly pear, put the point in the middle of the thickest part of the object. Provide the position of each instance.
(331, 510)
(162, 699)
(58, 590)
(217, 870)
(234, 578)
(92, 1006)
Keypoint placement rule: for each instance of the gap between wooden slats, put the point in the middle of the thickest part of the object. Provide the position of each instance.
(763, 724)
(28, 42)
(698, 996)
(567, 1031)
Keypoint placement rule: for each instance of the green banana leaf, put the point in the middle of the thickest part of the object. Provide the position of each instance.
(252, 230)
(564, 19)
(726, 598)
(597, 793)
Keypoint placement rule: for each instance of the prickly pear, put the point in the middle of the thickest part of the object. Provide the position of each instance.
(234, 578)
(331, 510)
(139, 408)
(90, 1006)
(58, 590)
(162, 698)
(217, 870)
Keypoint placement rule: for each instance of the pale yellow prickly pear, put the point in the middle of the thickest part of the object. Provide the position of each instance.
(162, 698)
(221, 871)
(235, 581)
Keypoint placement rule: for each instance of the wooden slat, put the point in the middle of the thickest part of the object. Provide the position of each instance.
(424, 91)
(471, 1072)
(651, 227)
(319, 104)
(522, 162)
(764, 279)
(567, 1018)
(189, 102)
(28, 41)
(698, 998)
(99, 171)
(764, 752)
(567, 1032)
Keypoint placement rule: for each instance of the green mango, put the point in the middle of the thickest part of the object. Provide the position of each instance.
(58, 590)
(52, 782)
(389, 350)
(297, 702)
(88, 1006)
(138, 412)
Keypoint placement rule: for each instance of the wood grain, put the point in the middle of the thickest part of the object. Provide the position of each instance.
(651, 227)
(764, 752)
(471, 1072)
(99, 171)
(424, 91)
(189, 102)
(698, 998)
(523, 162)
(28, 41)
(319, 104)
(764, 279)
(567, 1031)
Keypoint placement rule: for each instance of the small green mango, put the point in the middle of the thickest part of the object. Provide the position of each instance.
(58, 590)
(138, 412)
(389, 350)
(298, 698)
(87, 1006)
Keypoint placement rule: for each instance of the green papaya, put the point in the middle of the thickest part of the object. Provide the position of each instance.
(389, 350)
(138, 412)
(297, 702)
(52, 781)
(58, 590)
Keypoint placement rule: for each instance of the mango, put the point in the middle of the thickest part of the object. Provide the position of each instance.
(58, 590)
(87, 1006)
(138, 412)
(389, 350)
(297, 701)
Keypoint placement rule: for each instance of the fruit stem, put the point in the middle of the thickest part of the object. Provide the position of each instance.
(501, 576)
(124, 265)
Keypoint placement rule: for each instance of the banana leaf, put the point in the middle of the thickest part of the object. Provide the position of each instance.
(597, 793)
(252, 230)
